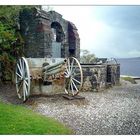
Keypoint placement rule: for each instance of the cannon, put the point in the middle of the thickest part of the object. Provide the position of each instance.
(35, 76)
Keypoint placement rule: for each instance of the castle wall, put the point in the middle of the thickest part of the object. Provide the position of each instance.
(35, 26)
(99, 77)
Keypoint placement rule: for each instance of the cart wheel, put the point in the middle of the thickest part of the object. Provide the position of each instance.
(73, 76)
(22, 79)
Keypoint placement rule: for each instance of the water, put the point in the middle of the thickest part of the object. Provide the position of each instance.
(129, 66)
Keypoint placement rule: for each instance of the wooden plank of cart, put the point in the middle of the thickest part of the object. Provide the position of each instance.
(48, 76)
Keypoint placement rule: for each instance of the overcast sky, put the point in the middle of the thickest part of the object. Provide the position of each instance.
(106, 31)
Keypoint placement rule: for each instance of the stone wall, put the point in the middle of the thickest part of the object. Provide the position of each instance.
(36, 28)
(113, 74)
(99, 77)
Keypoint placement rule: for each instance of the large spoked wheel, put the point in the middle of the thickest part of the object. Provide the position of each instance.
(73, 76)
(22, 79)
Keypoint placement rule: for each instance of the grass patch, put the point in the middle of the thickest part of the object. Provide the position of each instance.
(20, 120)
(131, 80)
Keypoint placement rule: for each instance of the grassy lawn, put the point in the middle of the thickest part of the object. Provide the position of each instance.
(20, 120)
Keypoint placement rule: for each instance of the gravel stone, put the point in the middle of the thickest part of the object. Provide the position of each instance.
(115, 111)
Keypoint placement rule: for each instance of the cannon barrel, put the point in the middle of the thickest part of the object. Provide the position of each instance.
(54, 66)
(55, 71)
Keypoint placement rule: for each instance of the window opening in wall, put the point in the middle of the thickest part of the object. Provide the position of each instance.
(58, 37)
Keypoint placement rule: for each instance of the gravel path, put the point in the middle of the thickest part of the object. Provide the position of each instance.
(113, 111)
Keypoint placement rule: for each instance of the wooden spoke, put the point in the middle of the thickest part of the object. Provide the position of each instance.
(73, 70)
(23, 68)
(20, 63)
(19, 81)
(26, 83)
(19, 68)
(26, 78)
(76, 80)
(72, 88)
(67, 71)
(20, 85)
(25, 89)
(24, 94)
(18, 75)
(74, 85)
(73, 76)
(76, 74)
(22, 79)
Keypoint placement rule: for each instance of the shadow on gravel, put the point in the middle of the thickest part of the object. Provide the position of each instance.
(8, 94)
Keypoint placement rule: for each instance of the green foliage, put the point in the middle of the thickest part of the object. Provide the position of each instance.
(131, 80)
(11, 42)
(9, 33)
(20, 120)
(87, 57)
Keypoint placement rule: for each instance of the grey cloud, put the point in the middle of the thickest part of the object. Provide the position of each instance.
(120, 16)
(124, 22)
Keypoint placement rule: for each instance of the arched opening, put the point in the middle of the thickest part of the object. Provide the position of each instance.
(58, 37)
(57, 31)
